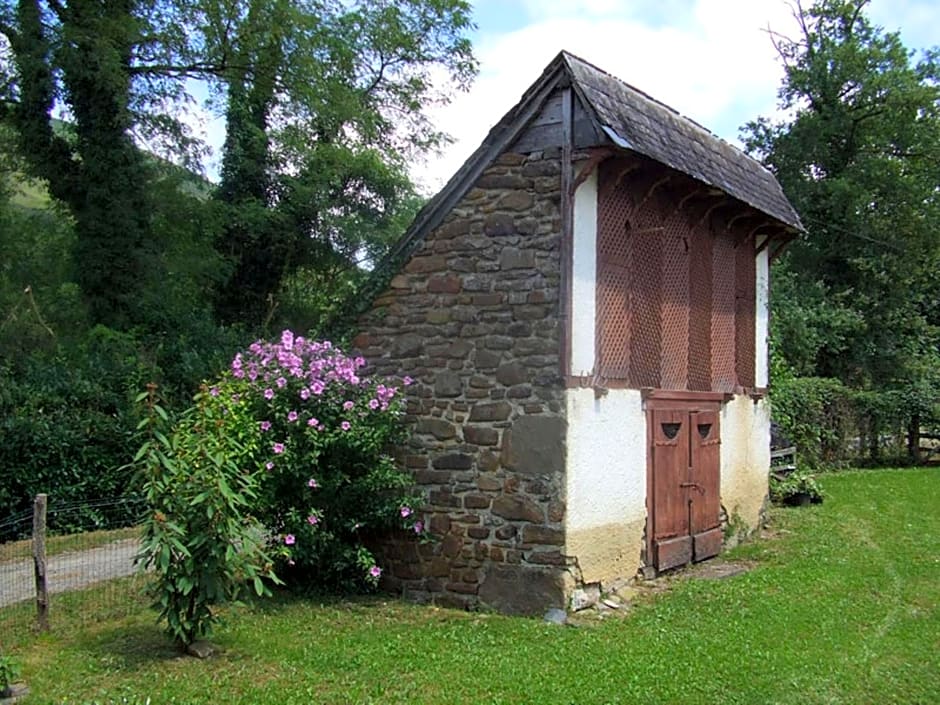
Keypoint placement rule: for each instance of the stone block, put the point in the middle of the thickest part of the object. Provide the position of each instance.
(440, 429)
(476, 501)
(480, 435)
(535, 445)
(445, 284)
(454, 228)
(496, 411)
(486, 359)
(453, 461)
(516, 508)
(515, 201)
(425, 264)
(513, 258)
(512, 373)
(584, 597)
(408, 345)
(447, 384)
(497, 224)
(488, 483)
(522, 590)
(439, 524)
(534, 533)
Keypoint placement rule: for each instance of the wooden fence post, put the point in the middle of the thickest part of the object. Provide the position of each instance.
(39, 562)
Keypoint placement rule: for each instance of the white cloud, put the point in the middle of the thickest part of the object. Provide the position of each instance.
(713, 66)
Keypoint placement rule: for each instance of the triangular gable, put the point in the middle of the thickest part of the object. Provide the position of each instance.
(620, 116)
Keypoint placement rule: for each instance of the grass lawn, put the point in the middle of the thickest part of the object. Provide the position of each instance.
(842, 605)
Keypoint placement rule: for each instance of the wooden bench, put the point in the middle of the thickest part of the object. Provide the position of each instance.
(782, 462)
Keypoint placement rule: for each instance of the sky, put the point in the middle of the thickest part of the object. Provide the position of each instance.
(711, 60)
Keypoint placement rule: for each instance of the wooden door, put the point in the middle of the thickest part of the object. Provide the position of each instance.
(684, 488)
(705, 480)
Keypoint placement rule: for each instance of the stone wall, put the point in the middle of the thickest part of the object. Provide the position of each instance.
(473, 318)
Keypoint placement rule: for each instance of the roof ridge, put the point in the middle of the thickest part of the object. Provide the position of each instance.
(568, 56)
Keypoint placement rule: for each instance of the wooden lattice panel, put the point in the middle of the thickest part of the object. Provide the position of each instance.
(675, 304)
(614, 268)
(724, 307)
(700, 313)
(745, 311)
(675, 301)
(646, 342)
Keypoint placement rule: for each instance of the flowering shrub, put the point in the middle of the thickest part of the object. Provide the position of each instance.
(319, 432)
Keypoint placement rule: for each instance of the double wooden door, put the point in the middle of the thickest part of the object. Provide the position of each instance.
(685, 486)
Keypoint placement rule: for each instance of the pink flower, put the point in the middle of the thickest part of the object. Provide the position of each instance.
(345, 425)
(405, 511)
(347, 405)
(353, 379)
(312, 483)
(239, 374)
(312, 520)
(360, 361)
(317, 387)
(265, 425)
(418, 527)
(312, 421)
(269, 465)
(292, 416)
(407, 381)
(287, 339)
(304, 393)
(375, 571)
(278, 448)
(290, 539)
(214, 391)
(269, 393)
(373, 404)
(291, 561)
(280, 382)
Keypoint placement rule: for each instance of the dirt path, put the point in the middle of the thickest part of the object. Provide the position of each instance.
(69, 571)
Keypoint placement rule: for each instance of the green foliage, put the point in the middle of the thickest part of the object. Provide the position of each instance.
(816, 414)
(857, 299)
(798, 487)
(9, 672)
(324, 105)
(320, 435)
(199, 538)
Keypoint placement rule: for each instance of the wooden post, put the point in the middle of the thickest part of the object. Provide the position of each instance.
(39, 562)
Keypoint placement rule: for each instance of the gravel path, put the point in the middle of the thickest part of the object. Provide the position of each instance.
(68, 571)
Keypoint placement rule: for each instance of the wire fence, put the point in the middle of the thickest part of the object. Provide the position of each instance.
(89, 565)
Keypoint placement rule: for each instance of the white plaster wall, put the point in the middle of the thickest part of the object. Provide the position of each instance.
(606, 482)
(745, 457)
(584, 276)
(762, 323)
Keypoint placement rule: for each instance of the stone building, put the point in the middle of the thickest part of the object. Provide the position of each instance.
(583, 308)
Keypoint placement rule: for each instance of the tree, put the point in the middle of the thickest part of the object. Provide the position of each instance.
(324, 104)
(859, 156)
(323, 100)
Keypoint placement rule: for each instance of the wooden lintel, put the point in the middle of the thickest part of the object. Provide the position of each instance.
(723, 202)
(567, 228)
(594, 160)
(652, 189)
(695, 191)
(628, 168)
(746, 215)
(763, 246)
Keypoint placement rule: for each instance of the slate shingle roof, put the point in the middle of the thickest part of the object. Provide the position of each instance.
(634, 120)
